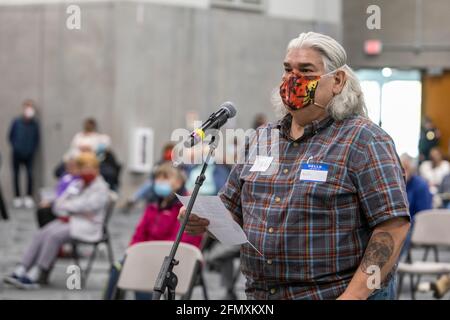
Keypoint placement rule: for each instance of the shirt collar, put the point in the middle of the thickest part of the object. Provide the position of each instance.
(284, 125)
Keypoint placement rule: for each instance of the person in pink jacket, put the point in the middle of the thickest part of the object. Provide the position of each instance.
(159, 221)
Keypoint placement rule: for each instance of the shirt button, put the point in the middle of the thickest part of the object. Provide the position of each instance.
(273, 290)
(295, 144)
(285, 171)
(277, 199)
(269, 261)
(270, 230)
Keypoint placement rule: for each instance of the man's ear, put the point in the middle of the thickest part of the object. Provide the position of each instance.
(340, 77)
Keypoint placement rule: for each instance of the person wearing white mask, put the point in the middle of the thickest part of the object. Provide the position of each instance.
(435, 169)
(90, 139)
(24, 139)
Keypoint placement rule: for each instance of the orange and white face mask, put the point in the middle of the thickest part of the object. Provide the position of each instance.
(298, 90)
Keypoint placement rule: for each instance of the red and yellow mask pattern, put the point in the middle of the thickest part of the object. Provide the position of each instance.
(297, 90)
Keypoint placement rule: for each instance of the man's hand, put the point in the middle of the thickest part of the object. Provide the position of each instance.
(195, 224)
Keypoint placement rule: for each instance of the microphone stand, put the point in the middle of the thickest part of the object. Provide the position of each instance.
(167, 279)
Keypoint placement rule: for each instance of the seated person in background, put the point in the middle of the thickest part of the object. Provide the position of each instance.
(435, 169)
(419, 196)
(145, 191)
(444, 192)
(90, 139)
(85, 201)
(159, 221)
(215, 175)
(109, 168)
(45, 212)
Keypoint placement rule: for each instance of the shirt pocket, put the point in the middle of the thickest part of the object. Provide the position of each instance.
(255, 194)
(328, 205)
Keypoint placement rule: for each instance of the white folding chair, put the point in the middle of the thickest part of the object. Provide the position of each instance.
(143, 262)
(431, 229)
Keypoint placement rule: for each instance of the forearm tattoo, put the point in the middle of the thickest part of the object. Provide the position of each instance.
(378, 251)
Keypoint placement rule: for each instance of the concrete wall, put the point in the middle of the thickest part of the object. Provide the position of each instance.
(317, 10)
(398, 33)
(134, 65)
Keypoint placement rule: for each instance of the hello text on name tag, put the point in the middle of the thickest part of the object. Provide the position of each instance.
(314, 172)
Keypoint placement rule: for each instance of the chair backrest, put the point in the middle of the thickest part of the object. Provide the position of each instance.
(109, 210)
(143, 262)
(432, 227)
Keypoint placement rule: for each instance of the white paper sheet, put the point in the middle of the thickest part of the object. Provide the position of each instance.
(221, 223)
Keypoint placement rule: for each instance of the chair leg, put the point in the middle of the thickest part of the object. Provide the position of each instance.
(118, 294)
(400, 284)
(75, 255)
(436, 254)
(413, 287)
(110, 252)
(203, 285)
(89, 265)
(425, 258)
(425, 255)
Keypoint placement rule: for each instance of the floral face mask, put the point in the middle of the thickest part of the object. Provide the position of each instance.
(298, 90)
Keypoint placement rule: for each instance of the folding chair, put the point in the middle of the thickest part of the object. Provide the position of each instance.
(143, 262)
(198, 278)
(106, 239)
(431, 229)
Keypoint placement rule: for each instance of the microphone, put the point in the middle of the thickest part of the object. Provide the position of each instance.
(215, 121)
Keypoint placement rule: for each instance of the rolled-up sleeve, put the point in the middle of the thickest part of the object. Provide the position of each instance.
(230, 194)
(379, 179)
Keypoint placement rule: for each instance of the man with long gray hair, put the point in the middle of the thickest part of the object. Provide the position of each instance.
(331, 221)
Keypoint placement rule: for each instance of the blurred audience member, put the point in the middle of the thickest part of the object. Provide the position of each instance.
(3, 210)
(159, 221)
(441, 286)
(109, 168)
(419, 196)
(84, 203)
(435, 169)
(260, 120)
(429, 138)
(45, 212)
(215, 175)
(145, 192)
(90, 139)
(24, 140)
(444, 192)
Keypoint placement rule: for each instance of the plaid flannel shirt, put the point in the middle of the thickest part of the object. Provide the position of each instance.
(313, 234)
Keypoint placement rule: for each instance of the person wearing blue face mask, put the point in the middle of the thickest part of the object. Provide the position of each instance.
(159, 221)
(162, 189)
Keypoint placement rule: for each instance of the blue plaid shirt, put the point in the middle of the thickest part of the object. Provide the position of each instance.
(313, 234)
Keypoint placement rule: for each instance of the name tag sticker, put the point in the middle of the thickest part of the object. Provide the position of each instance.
(314, 172)
(262, 163)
